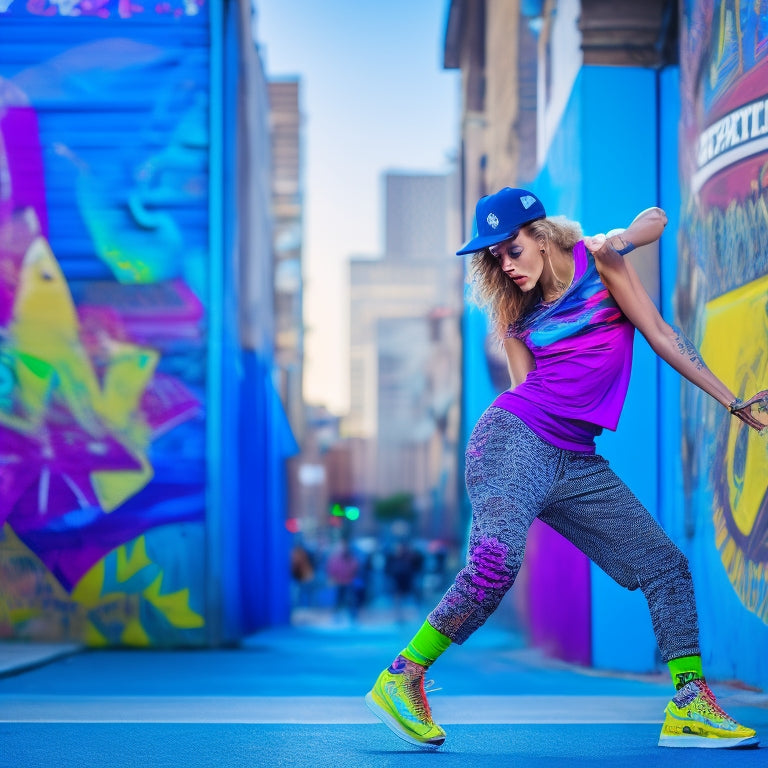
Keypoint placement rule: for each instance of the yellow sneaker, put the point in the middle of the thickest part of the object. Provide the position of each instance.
(695, 719)
(399, 701)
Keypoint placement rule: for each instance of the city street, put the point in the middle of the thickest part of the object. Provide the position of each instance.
(294, 697)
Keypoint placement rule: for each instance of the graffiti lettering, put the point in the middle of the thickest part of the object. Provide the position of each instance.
(741, 133)
(740, 125)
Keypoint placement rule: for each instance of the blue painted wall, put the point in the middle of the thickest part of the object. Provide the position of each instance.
(670, 460)
(601, 170)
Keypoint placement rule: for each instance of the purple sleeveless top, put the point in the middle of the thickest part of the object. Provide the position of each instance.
(582, 345)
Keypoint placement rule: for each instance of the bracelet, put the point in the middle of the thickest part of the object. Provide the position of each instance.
(628, 246)
(626, 249)
(735, 405)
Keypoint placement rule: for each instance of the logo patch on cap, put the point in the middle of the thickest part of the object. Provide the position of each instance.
(527, 201)
(492, 220)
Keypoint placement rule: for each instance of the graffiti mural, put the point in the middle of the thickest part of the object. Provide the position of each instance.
(103, 9)
(722, 295)
(740, 487)
(102, 349)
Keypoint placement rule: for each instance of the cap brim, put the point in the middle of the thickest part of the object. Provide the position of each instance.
(478, 243)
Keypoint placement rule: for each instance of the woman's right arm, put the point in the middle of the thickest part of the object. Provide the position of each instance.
(519, 360)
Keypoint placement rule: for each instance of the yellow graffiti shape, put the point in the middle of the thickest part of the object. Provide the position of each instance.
(114, 487)
(173, 606)
(129, 565)
(105, 607)
(118, 568)
(36, 379)
(736, 348)
(49, 355)
(135, 635)
(93, 637)
(129, 373)
(89, 591)
(45, 327)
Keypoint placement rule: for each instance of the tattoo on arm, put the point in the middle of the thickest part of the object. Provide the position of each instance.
(686, 348)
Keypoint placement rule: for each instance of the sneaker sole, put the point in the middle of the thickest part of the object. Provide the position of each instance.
(395, 726)
(708, 742)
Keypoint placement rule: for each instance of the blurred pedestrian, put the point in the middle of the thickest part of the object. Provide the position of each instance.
(565, 308)
(434, 580)
(362, 583)
(302, 575)
(403, 566)
(342, 570)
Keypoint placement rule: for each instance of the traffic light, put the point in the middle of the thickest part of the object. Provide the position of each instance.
(349, 512)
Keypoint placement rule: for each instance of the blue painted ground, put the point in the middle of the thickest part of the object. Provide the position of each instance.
(293, 697)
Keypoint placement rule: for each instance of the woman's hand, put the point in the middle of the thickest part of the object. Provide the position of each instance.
(594, 243)
(753, 412)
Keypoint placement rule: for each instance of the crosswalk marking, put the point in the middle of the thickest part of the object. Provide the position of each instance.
(327, 710)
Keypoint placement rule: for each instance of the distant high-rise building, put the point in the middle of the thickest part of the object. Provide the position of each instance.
(405, 348)
(287, 207)
(417, 214)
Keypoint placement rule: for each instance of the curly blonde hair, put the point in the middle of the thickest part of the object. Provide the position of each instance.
(499, 296)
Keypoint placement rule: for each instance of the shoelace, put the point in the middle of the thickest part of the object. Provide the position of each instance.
(417, 689)
(705, 692)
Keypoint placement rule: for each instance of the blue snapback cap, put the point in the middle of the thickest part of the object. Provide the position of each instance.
(499, 216)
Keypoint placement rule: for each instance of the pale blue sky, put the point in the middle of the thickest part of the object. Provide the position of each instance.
(375, 98)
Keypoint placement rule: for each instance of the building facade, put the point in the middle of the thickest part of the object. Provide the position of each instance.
(136, 327)
(405, 349)
(636, 105)
(287, 210)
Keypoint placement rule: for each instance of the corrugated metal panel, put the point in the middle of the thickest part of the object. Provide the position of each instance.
(111, 96)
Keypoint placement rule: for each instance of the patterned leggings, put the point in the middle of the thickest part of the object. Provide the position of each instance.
(514, 477)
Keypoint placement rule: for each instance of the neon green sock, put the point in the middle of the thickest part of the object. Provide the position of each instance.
(685, 669)
(426, 646)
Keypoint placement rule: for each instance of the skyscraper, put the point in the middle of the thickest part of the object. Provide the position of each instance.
(405, 347)
(287, 206)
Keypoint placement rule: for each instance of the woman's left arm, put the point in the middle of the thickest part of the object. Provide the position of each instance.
(646, 227)
(669, 343)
